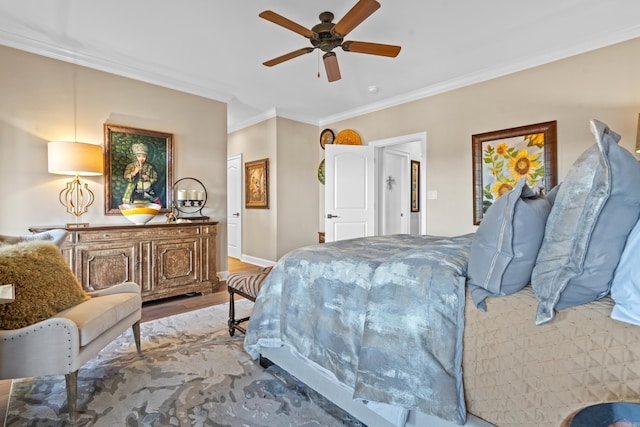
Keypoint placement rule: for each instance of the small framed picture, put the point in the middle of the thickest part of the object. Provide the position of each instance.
(415, 186)
(256, 183)
(326, 137)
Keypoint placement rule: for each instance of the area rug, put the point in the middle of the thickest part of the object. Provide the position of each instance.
(191, 373)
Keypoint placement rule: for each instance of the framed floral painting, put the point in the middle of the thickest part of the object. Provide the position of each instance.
(256, 184)
(501, 158)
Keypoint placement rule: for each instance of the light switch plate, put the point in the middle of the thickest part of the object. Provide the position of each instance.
(7, 293)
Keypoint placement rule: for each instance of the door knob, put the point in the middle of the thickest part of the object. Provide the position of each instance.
(332, 216)
(236, 214)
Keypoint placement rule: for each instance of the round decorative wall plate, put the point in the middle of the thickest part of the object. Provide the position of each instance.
(321, 172)
(348, 137)
(326, 137)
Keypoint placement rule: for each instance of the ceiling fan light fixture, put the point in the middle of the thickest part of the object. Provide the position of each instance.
(331, 66)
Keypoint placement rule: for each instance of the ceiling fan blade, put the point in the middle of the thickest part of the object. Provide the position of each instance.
(371, 48)
(355, 16)
(287, 23)
(288, 56)
(331, 66)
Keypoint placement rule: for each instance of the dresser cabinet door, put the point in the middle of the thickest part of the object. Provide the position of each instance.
(177, 263)
(102, 266)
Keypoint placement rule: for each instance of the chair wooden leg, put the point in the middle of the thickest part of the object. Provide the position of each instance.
(136, 335)
(232, 315)
(71, 381)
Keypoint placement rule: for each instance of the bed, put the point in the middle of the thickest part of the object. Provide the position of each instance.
(491, 328)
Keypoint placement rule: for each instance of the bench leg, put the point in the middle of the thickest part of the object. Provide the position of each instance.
(234, 323)
(232, 315)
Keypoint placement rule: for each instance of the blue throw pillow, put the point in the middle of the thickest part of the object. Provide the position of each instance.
(506, 245)
(551, 195)
(625, 287)
(594, 211)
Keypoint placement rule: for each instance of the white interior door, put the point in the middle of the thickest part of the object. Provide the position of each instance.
(349, 192)
(395, 190)
(234, 206)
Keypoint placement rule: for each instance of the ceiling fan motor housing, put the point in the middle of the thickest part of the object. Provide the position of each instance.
(326, 40)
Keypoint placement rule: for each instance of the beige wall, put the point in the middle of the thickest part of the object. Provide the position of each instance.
(37, 106)
(291, 220)
(298, 196)
(603, 84)
(259, 226)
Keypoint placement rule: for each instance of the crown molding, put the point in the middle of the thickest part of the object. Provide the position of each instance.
(192, 86)
(265, 115)
(479, 76)
(146, 75)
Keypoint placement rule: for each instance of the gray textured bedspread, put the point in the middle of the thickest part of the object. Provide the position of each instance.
(384, 314)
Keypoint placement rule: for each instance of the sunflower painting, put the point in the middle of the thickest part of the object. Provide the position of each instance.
(503, 158)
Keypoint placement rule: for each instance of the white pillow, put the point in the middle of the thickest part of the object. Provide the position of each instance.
(625, 287)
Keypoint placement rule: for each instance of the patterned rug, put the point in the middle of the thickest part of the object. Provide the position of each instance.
(191, 373)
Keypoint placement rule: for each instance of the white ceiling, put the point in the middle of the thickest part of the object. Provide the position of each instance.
(215, 48)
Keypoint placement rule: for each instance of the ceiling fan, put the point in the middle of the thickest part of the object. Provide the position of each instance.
(326, 36)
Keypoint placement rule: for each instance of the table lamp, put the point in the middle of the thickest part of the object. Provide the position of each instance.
(77, 159)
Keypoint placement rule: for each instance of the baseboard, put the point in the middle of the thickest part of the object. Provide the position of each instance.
(223, 275)
(257, 261)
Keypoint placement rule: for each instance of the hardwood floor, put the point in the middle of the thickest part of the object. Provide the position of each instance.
(152, 310)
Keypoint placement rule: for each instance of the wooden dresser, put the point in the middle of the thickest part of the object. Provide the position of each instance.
(164, 259)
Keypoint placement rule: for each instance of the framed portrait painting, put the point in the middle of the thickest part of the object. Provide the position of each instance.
(138, 167)
(256, 184)
(501, 158)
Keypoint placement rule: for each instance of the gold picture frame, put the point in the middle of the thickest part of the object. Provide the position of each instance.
(256, 184)
(120, 144)
(501, 158)
(415, 186)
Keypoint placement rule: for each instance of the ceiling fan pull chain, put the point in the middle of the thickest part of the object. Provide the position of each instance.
(318, 64)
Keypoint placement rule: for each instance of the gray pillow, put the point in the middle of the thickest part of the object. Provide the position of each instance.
(506, 245)
(595, 209)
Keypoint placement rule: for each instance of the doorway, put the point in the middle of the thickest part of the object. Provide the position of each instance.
(395, 207)
(415, 145)
(234, 206)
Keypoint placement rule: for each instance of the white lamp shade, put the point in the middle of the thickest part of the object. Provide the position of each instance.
(75, 158)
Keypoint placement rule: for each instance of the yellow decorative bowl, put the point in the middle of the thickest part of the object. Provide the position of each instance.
(139, 213)
(348, 137)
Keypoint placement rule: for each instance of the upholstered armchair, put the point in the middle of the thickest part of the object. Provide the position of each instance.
(64, 342)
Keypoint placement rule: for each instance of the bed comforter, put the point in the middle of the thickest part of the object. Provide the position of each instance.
(384, 314)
